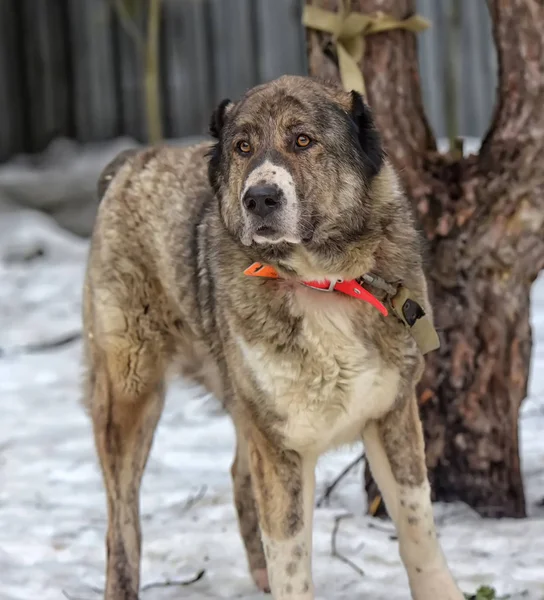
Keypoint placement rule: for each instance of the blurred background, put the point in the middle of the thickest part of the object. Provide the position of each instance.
(76, 68)
(77, 72)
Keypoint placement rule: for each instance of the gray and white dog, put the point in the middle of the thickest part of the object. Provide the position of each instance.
(212, 261)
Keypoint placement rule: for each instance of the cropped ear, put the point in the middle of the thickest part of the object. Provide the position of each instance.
(367, 134)
(219, 117)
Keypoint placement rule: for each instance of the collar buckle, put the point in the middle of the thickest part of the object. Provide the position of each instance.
(328, 286)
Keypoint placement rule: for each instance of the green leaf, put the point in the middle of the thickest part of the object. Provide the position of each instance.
(485, 593)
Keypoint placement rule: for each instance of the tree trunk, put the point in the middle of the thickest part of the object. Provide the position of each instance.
(483, 218)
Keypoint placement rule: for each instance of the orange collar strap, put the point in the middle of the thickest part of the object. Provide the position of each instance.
(351, 288)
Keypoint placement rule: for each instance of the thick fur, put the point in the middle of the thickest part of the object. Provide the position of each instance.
(300, 371)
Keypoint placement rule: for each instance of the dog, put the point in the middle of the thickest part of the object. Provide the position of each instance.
(264, 265)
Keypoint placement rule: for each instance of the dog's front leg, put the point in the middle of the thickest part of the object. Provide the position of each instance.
(394, 447)
(248, 520)
(284, 484)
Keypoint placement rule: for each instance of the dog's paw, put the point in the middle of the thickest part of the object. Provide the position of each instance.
(260, 577)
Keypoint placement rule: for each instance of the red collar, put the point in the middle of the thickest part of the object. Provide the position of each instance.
(351, 287)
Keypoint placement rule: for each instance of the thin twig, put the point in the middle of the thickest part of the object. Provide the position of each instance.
(334, 550)
(330, 488)
(192, 500)
(173, 582)
(158, 584)
(391, 531)
(51, 344)
(36, 347)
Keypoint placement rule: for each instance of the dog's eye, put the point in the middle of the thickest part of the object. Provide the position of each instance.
(244, 147)
(303, 141)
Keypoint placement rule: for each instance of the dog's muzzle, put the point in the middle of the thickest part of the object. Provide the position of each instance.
(270, 206)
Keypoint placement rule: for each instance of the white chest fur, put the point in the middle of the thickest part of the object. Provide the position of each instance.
(330, 387)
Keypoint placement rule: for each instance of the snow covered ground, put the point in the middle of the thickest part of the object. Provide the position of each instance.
(52, 508)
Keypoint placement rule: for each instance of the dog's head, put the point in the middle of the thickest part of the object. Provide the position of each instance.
(293, 163)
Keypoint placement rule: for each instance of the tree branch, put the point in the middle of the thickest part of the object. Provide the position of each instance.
(519, 40)
(511, 153)
(387, 57)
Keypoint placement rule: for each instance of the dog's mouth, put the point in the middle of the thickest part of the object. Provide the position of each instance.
(266, 234)
(269, 233)
(266, 231)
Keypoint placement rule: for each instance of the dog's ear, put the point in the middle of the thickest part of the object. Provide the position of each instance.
(219, 117)
(367, 134)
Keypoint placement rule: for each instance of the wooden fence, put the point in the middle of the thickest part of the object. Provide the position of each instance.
(68, 67)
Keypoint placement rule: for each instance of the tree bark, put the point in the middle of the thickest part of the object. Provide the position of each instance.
(483, 219)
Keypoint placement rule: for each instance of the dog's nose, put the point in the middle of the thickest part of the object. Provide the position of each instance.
(262, 200)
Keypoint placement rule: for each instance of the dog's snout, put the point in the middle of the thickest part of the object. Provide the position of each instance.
(262, 200)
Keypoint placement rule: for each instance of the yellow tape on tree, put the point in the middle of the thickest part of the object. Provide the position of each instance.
(349, 29)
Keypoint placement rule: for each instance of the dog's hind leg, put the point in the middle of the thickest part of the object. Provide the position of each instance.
(284, 484)
(126, 387)
(394, 447)
(123, 426)
(248, 519)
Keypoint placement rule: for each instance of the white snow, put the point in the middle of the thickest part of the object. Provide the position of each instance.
(52, 507)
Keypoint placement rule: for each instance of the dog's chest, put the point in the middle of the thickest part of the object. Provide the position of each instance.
(328, 387)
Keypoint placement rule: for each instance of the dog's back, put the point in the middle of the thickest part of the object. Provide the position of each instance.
(142, 287)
